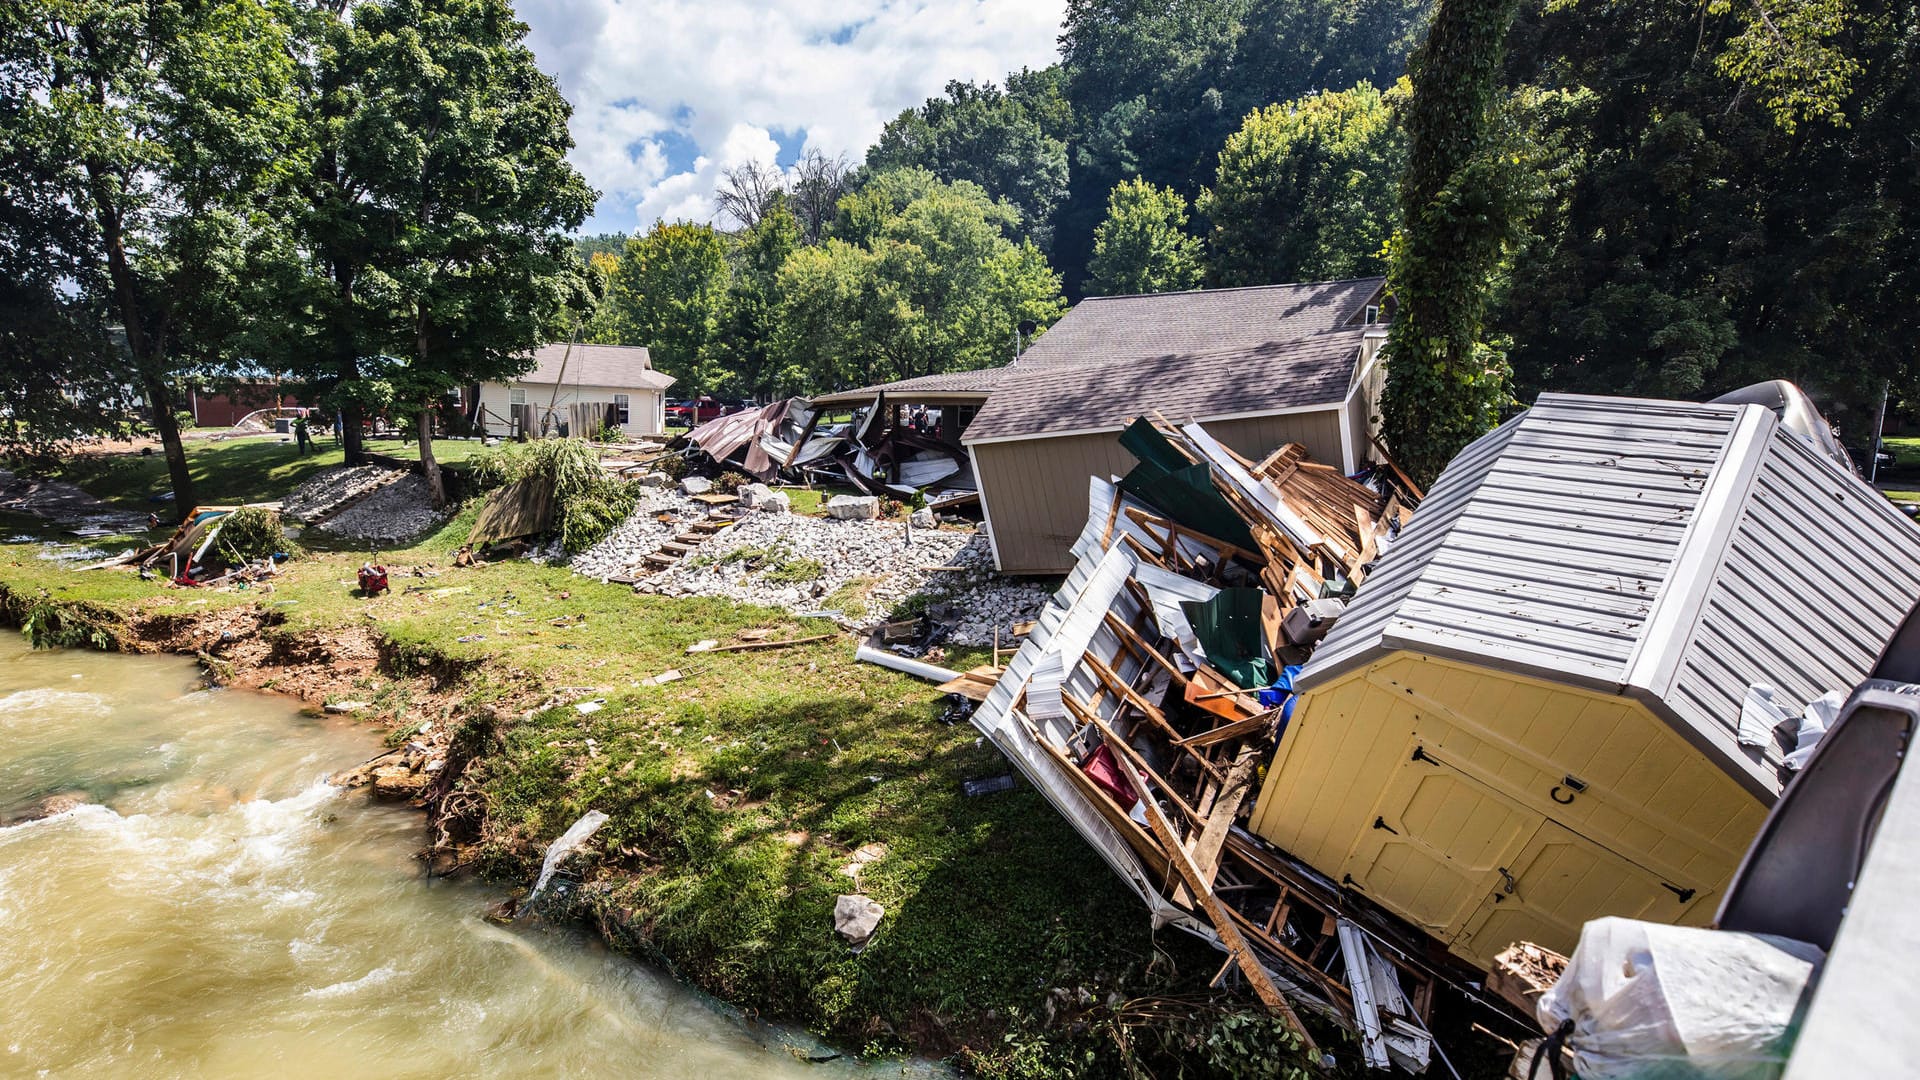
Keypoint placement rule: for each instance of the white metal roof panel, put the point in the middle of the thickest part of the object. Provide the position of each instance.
(1675, 551)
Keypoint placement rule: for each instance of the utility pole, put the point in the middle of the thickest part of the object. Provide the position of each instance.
(1879, 425)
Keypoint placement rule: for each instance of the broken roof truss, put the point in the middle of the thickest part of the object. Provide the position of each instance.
(1118, 708)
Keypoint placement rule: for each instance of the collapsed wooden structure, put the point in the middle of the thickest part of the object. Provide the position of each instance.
(1150, 697)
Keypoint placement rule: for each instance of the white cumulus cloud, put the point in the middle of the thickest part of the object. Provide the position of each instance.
(668, 94)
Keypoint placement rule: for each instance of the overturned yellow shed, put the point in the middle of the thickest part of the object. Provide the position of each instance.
(1530, 715)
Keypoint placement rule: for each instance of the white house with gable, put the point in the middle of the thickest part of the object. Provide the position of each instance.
(564, 376)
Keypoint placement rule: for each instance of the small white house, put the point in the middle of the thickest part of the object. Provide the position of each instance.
(564, 376)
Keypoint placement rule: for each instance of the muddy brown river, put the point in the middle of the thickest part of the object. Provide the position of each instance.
(208, 907)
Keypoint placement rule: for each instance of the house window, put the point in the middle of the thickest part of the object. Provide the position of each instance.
(620, 408)
(1373, 314)
(517, 396)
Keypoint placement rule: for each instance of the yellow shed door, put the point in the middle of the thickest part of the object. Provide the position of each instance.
(1478, 870)
(1435, 839)
(1559, 881)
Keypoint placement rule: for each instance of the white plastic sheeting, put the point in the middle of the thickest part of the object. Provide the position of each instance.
(1649, 1000)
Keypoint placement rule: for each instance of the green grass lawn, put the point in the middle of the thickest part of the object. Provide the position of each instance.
(257, 469)
(736, 793)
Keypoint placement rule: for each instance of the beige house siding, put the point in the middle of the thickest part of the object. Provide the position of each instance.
(1035, 490)
(646, 409)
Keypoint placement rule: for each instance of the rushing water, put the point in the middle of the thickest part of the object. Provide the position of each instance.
(212, 909)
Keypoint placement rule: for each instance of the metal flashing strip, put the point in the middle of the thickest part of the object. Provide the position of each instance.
(1676, 607)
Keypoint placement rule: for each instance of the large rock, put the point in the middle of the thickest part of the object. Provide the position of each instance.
(752, 495)
(653, 479)
(923, 519)
(696, 485)
(778, 502)
(853, 507)
(398, 782)
(855, 918)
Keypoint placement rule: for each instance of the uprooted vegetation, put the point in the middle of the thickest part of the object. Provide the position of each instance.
(588, 504)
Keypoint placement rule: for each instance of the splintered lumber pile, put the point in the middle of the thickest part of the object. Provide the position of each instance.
(1524, 971)
(1156, 687)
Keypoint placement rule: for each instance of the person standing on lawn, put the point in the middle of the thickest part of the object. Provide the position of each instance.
(301, 438)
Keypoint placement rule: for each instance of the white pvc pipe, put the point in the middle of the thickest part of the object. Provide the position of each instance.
(900, 663)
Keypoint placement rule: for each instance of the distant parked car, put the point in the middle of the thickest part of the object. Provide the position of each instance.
(1865, 463)
(699, 410)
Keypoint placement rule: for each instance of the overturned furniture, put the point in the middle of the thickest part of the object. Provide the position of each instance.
(1530, 715)
(1151, 692)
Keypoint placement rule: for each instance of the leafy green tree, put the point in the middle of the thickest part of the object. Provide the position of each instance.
(1143, 246)
(61, 376)
(461, 148)
(740, 354)
(666, 294)
(1308, 190)
(165, 118)
(920, 278)
(1463, 201)
(1011, 142)
(1156, 87)
(1695, 244)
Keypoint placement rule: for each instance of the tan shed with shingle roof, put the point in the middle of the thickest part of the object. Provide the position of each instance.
(1262, 367)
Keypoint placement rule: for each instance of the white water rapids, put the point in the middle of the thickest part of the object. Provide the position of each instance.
(209, 907)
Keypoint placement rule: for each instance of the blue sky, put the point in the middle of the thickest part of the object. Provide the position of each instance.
(666, 95)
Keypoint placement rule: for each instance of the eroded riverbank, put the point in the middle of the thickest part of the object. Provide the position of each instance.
(205, 906)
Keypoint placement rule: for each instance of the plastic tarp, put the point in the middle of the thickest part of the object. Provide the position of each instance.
(1653, 1001)
(1228, 627)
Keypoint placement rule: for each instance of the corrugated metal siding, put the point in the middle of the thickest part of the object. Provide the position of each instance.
(1358, 633)
(1036, 489)
(1548, 557)
(1819, 572)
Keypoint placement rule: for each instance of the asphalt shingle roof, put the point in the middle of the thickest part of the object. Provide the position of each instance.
(1101, 329)
(1216, 352)
(978, 381)
(619, 366)
(1037, 400)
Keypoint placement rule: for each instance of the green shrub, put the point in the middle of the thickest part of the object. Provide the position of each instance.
(251, 532)
(588, 503)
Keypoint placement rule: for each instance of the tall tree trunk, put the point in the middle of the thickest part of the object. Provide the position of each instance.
(347, 363)
(147, 359)
(429, 468)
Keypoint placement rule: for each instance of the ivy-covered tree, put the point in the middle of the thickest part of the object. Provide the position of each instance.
(1308, 190)
(1143, 246)
(1463, 200)
(667, 295)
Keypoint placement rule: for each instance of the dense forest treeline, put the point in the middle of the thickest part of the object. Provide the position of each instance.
(1660, 197)
(1693, 200)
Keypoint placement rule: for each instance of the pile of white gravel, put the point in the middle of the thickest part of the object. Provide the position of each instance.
(329, 488)
(399, 511)
(747, 561)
